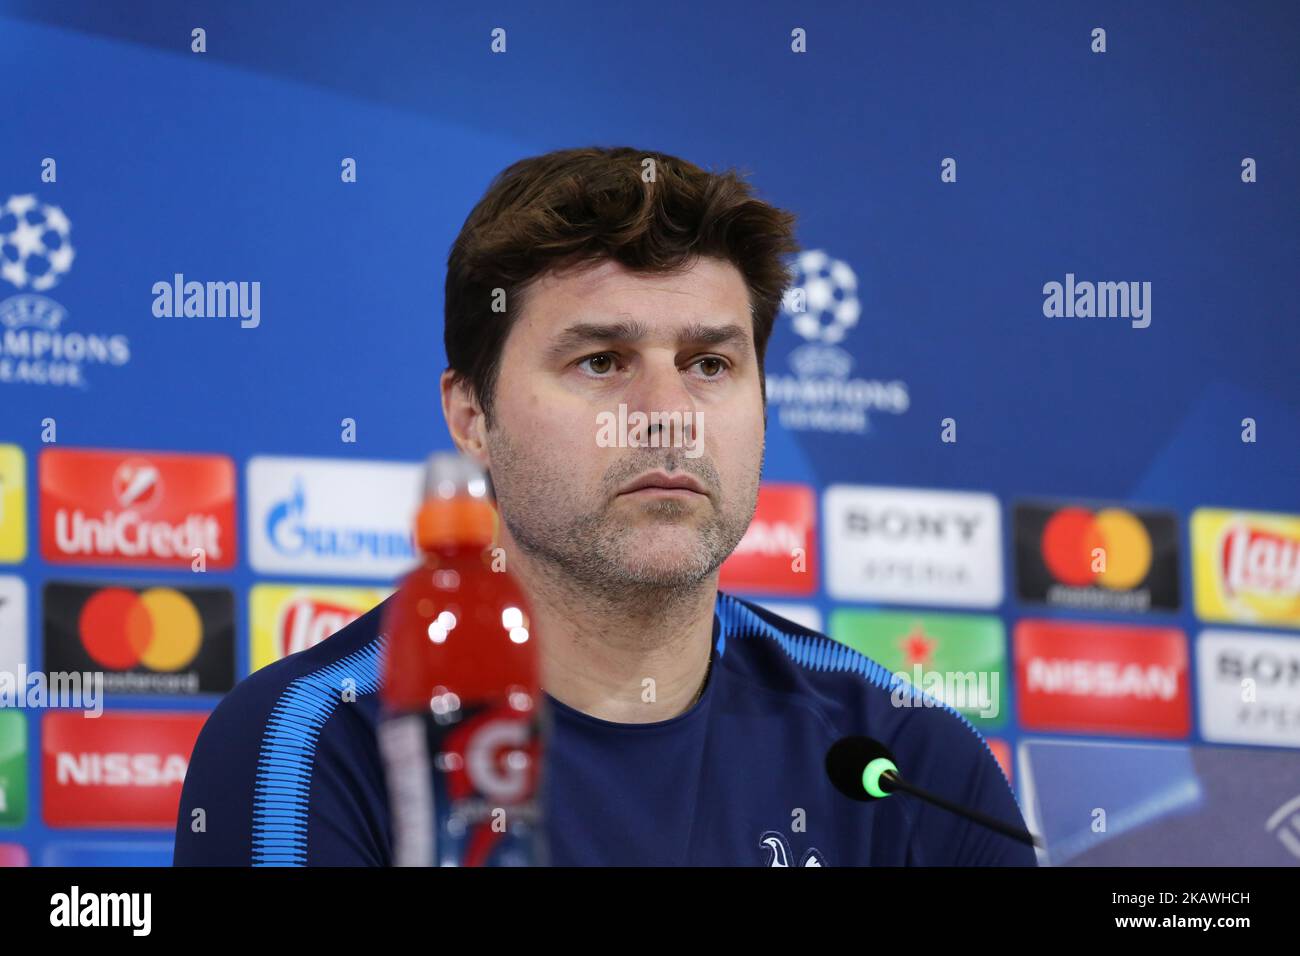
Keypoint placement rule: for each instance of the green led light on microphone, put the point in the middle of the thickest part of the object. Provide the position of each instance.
(872, 773)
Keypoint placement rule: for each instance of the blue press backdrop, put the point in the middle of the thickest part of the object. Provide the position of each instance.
(1116, 166)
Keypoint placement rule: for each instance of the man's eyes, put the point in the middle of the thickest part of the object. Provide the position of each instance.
(602, 364)
(720, 362)
(605, 359)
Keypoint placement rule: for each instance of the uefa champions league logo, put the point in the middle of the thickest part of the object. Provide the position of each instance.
(823, 300)
(823, 304)
(35, 248)
(35, 254)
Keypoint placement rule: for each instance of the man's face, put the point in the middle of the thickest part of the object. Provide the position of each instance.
(588, 341)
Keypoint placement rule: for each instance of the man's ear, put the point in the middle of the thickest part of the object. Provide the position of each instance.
(465, 419)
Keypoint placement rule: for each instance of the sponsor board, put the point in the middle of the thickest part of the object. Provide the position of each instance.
(13, 768)
(909, 546)
(1102, 679)
(778, 553)
(122, 769)
(321, 517)
(13, 625)
(288, 618)
(146, 639)
(959, 659)
(13, 504)
(134, 508)
(1105, 559)
(1248, 687)
(1246, 567)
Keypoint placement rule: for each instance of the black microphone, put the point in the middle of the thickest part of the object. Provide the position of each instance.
(863, 769)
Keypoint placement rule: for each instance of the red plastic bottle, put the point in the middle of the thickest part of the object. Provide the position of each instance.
(463, 729)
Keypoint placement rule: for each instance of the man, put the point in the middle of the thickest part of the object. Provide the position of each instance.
(629, 279)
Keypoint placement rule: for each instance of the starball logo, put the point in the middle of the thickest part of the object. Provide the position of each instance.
(13, 623)
(35, 349)
(137, 508)
(35, 239)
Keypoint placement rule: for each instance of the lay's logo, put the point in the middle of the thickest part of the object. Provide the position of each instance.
(287, 619)
(1246, 566)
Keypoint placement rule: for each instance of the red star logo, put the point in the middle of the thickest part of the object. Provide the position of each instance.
(917, 647)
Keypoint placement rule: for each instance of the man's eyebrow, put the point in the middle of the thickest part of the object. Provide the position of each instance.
(632, 330)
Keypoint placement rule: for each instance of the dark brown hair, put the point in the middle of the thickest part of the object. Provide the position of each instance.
(549, 212)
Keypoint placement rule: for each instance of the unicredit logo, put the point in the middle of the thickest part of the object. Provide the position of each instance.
(113, 507)
(126, 534)
(137, 484)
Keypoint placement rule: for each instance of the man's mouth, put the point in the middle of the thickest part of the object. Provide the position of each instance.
(660, 484)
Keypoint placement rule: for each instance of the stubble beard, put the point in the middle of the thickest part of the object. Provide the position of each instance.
(598, 549)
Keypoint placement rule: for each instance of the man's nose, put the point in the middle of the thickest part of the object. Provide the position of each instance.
(662, 389)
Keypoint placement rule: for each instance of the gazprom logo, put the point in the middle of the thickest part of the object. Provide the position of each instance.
(291, 535)
(351, 519)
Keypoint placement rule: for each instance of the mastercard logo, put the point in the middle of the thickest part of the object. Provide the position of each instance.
(1110, 548)
(159, 628)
